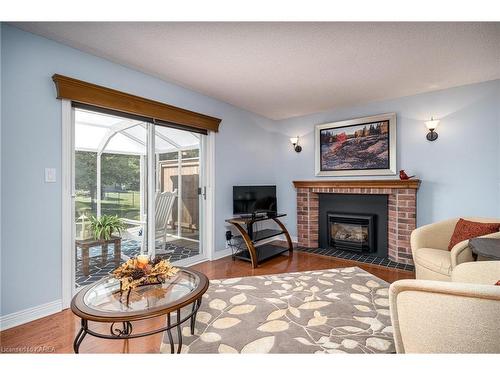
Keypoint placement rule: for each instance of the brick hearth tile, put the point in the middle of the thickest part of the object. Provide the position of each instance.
(407, 209)
(406, 196)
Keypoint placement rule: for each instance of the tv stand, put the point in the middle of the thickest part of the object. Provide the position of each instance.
(251, 216)
(257, 253)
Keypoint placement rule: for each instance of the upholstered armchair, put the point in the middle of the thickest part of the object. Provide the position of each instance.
(462, 316)
(429, 246)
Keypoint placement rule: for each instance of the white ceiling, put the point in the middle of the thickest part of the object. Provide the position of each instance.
(283, 70)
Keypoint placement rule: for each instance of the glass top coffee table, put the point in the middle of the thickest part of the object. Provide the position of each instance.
(104, 302)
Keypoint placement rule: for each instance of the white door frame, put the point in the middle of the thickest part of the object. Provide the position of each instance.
(68, 195)
(150, 191)
(208, 235)
(207, 181)
(207, 216)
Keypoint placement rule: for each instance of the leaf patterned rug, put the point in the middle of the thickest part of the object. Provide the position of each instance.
(342, 310)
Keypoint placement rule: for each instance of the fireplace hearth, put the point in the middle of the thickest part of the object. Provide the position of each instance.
(351, 232)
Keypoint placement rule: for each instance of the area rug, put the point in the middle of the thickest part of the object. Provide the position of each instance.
(342, 310)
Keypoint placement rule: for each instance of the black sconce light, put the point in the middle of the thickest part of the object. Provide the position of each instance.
(432, 125)
(295, 143)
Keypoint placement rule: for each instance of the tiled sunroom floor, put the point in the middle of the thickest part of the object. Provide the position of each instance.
(174, 249)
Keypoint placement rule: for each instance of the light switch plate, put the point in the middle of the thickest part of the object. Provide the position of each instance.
(50, 175)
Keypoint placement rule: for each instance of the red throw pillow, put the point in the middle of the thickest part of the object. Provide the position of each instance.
(497, 283)
(465, 230)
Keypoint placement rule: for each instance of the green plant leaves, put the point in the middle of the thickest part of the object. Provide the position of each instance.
(104, 226)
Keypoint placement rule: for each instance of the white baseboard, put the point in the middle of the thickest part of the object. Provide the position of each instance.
(221, 254)
(188, 262)
(30, 314)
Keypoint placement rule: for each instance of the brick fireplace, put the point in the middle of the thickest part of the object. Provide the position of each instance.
(402, 207)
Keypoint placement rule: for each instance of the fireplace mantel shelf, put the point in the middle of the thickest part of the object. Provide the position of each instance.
(384, 184)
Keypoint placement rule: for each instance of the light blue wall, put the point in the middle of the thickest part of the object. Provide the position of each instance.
(460, 172)
(31, 141)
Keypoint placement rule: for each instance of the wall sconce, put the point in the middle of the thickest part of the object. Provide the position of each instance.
(295, 142)
(432, 125)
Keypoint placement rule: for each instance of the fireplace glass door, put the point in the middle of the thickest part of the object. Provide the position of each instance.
(351, 232)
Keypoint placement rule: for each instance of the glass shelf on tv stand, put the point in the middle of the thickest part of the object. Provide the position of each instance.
(249, 219)
(254, 252)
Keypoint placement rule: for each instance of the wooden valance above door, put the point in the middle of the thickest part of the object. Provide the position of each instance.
(103, 97)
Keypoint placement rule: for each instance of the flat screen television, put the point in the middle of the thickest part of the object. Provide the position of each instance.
(248, 200)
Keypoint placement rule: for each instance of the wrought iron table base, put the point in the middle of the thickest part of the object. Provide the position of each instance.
(125, 332)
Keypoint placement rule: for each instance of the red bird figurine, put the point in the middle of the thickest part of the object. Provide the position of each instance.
(404, 176)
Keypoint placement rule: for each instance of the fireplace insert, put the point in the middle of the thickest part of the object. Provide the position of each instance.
(351, 232)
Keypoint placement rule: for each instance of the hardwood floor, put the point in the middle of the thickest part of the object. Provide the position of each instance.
(55, 333)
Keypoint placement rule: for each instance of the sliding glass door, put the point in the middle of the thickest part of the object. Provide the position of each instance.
(177, 154)
(137, 191)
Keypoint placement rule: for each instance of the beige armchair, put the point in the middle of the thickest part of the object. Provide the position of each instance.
(429, 246)
(486, 273)
(448, 317)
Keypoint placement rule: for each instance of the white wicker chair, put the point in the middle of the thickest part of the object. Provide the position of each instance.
(164, 202)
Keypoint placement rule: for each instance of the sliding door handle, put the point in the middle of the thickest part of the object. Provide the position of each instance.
(203, 192)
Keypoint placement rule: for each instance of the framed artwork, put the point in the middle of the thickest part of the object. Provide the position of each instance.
(358, 147)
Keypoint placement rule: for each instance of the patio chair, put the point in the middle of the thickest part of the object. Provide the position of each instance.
(164, 202)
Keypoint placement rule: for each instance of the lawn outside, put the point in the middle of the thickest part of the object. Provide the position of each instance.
(124, 204)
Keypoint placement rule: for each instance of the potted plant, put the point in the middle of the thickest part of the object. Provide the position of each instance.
(103, 227)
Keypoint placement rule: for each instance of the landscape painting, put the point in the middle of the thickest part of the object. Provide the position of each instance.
(361, 146)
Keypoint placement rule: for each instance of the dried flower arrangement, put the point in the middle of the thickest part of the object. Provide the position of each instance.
(137, 272)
